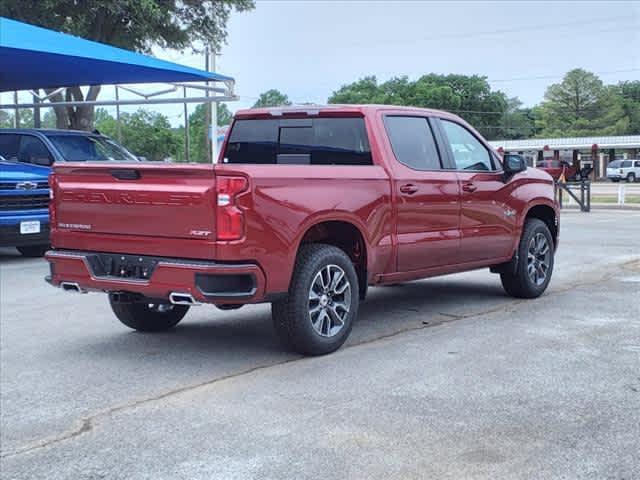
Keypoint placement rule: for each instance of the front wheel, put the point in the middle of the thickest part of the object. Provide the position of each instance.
(322, 303)
(33, 251)
(148, 317)
(535, 262)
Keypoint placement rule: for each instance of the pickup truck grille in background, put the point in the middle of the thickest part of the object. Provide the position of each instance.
(13, 185)
(24, 202)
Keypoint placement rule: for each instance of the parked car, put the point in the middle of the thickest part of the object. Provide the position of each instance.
(628, 170)
(24, 203)
(556, 168)
(307, 208)
(46, 146)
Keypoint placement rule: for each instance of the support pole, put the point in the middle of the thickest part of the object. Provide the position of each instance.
(207, 115)
(16, 116)
(186, 127)
(118, 126)
(37, 123)
(214, 119)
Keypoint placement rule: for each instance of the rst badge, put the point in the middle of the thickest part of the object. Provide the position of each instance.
(200, 233)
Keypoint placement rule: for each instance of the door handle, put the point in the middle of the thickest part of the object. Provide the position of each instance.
(409, 188)
(469, 187)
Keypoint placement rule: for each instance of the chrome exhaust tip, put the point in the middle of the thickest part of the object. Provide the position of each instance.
(71, 287)
(178, 298)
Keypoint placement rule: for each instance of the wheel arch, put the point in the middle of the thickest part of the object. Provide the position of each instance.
(548, 214)
(343, 233)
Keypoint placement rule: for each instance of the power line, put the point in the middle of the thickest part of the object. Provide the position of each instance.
(521, 29)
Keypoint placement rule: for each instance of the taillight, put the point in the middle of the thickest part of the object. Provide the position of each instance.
(229, 218)
(52, 211)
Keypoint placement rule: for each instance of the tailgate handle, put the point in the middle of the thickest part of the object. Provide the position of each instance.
(126, 174)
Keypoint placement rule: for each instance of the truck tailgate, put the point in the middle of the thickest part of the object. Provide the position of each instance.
(158, 200)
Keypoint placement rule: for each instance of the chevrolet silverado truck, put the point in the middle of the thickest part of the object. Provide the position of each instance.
(305, 209)
(24, 208)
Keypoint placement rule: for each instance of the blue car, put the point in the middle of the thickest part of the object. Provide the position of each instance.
(24, 207)
(24, 192)
(47, 146)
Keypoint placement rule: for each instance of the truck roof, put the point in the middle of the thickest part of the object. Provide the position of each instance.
(335, 108)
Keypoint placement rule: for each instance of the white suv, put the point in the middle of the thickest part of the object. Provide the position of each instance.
(628, 170)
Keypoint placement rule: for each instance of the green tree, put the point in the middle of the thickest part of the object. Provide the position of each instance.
(6, 119)
(145, 133)
(629, 94)
(582, 105)
(517, 122)
(199, 133)
(131, 24)
(272, 98)
(25, 116)
(469, 96)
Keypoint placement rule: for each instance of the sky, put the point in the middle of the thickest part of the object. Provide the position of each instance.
(309, 48)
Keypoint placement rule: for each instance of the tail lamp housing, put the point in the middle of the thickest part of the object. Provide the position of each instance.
(52, 210)
(229, 218)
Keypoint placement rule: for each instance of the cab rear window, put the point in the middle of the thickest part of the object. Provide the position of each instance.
(306, 141)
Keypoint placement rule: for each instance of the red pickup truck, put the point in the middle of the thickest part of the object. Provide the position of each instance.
(306, 208)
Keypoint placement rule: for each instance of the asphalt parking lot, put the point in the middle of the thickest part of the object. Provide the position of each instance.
(441, 378)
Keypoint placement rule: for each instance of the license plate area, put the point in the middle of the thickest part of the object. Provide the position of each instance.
(30, 227)
(116, 265)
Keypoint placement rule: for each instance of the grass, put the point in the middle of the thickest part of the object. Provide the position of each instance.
(614, 199)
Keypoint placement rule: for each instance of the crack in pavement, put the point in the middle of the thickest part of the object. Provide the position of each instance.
(87, 424)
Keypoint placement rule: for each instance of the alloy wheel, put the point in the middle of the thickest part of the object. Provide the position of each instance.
(329, 300)
(538, 259)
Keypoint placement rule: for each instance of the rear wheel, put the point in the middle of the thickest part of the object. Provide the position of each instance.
(317, 315)
(33, 250)
(631, 177)
(148, 317)
(535, 262)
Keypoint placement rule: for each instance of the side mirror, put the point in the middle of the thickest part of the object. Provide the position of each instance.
(513, 164)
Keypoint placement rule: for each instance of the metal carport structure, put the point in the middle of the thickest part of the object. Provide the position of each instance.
(34, 58)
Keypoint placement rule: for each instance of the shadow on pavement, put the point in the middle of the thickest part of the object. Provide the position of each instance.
(216, 335)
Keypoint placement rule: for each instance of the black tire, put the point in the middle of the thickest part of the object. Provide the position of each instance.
(615, 180)
(293, 316)
(631, 178)
(33, 251)
(148, 317)
(521, 284)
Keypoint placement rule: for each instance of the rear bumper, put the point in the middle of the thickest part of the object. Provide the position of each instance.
(10, 235)
(206, 281)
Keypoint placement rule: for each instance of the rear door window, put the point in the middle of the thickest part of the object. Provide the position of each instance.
(413, 142)
(9, 144)
(317, 141)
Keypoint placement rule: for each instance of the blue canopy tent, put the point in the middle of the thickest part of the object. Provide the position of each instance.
(33, 57)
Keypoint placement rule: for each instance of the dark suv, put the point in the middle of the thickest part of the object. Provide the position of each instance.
(44, 147)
